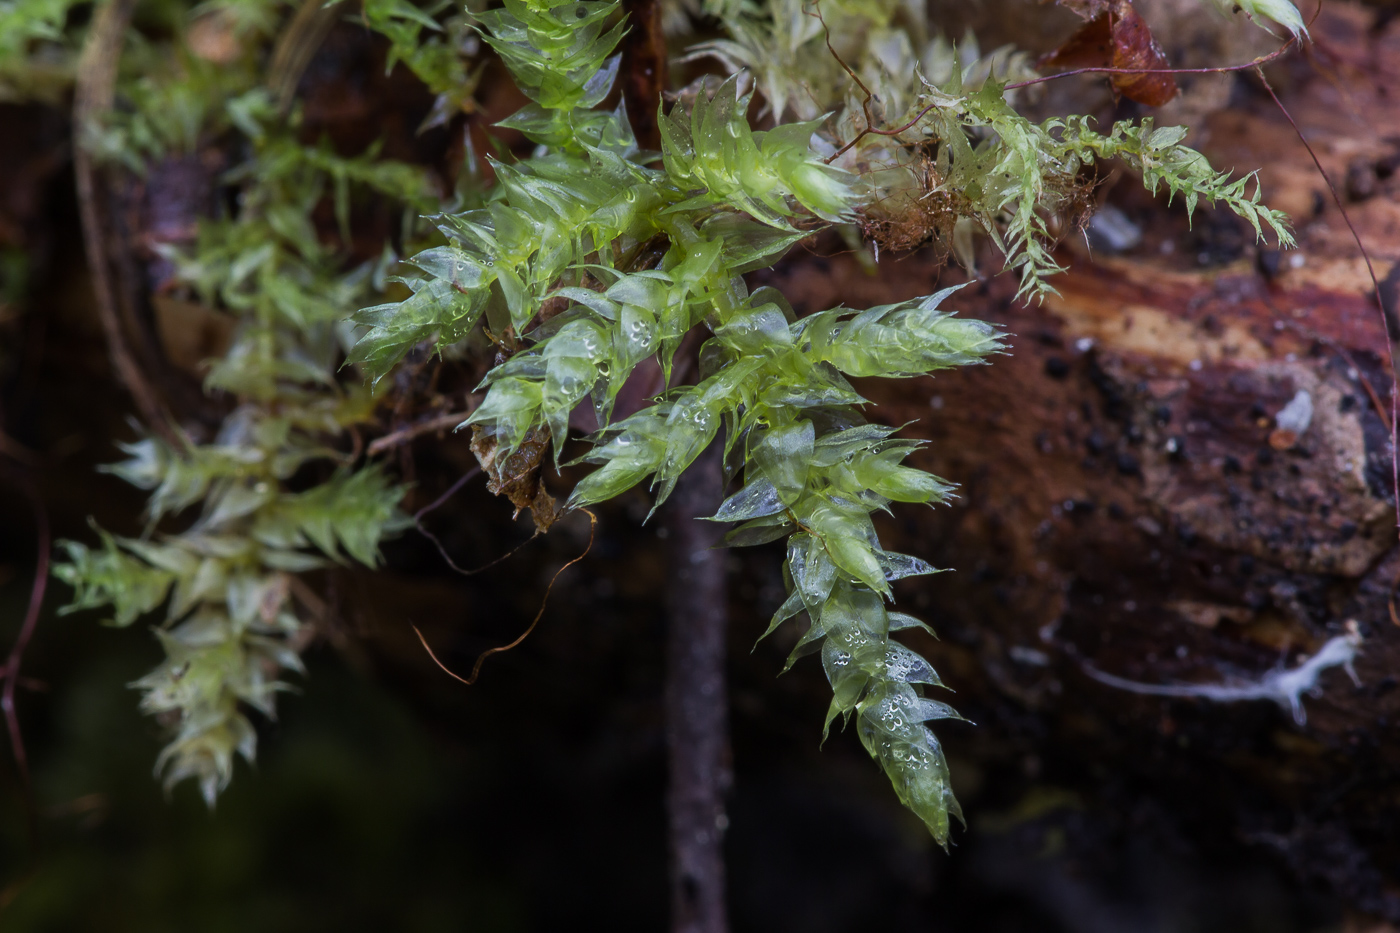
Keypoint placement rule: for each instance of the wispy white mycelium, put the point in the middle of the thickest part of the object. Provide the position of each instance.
(1285, 686)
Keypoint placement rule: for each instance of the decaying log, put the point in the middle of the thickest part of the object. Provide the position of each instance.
(1142, 492)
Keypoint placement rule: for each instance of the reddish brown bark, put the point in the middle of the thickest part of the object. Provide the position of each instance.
(1130, 499)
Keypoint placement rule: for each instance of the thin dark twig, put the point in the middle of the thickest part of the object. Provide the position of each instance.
(864, 104)
(1220, 69)
(429, 648)
(437, 542)
(826, 37)
(442, 552)
(426, 426)
(451, 491)
(1375, 283)
(481, 659)
(870, 131)
(10, 673)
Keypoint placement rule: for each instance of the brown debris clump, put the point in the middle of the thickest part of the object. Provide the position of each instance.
(908, 218)
(928, 214)
(517, 477)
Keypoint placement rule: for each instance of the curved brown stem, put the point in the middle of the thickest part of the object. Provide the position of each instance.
(544, 604)
(92, 98)
(428, 425)
(9, 674)
(296, 47)
(1220, 69)
(865, 103)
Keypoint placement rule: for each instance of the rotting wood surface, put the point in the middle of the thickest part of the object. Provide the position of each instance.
(1132, 498)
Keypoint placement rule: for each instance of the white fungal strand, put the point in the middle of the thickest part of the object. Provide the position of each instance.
(1284, 686)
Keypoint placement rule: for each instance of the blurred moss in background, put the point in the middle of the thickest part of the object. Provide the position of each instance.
(352, 822)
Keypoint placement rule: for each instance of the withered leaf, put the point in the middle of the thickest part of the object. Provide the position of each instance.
(1119, 38)
(517, 477)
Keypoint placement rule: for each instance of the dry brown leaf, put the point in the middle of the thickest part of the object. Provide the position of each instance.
(1118, 38)
(518, 477)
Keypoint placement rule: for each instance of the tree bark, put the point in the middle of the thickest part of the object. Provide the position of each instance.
(696, 706)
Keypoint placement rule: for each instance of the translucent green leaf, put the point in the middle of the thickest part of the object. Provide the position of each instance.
(351, 512)
(784, 456)
(759, 531)
(757, 499)
(110, 577)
